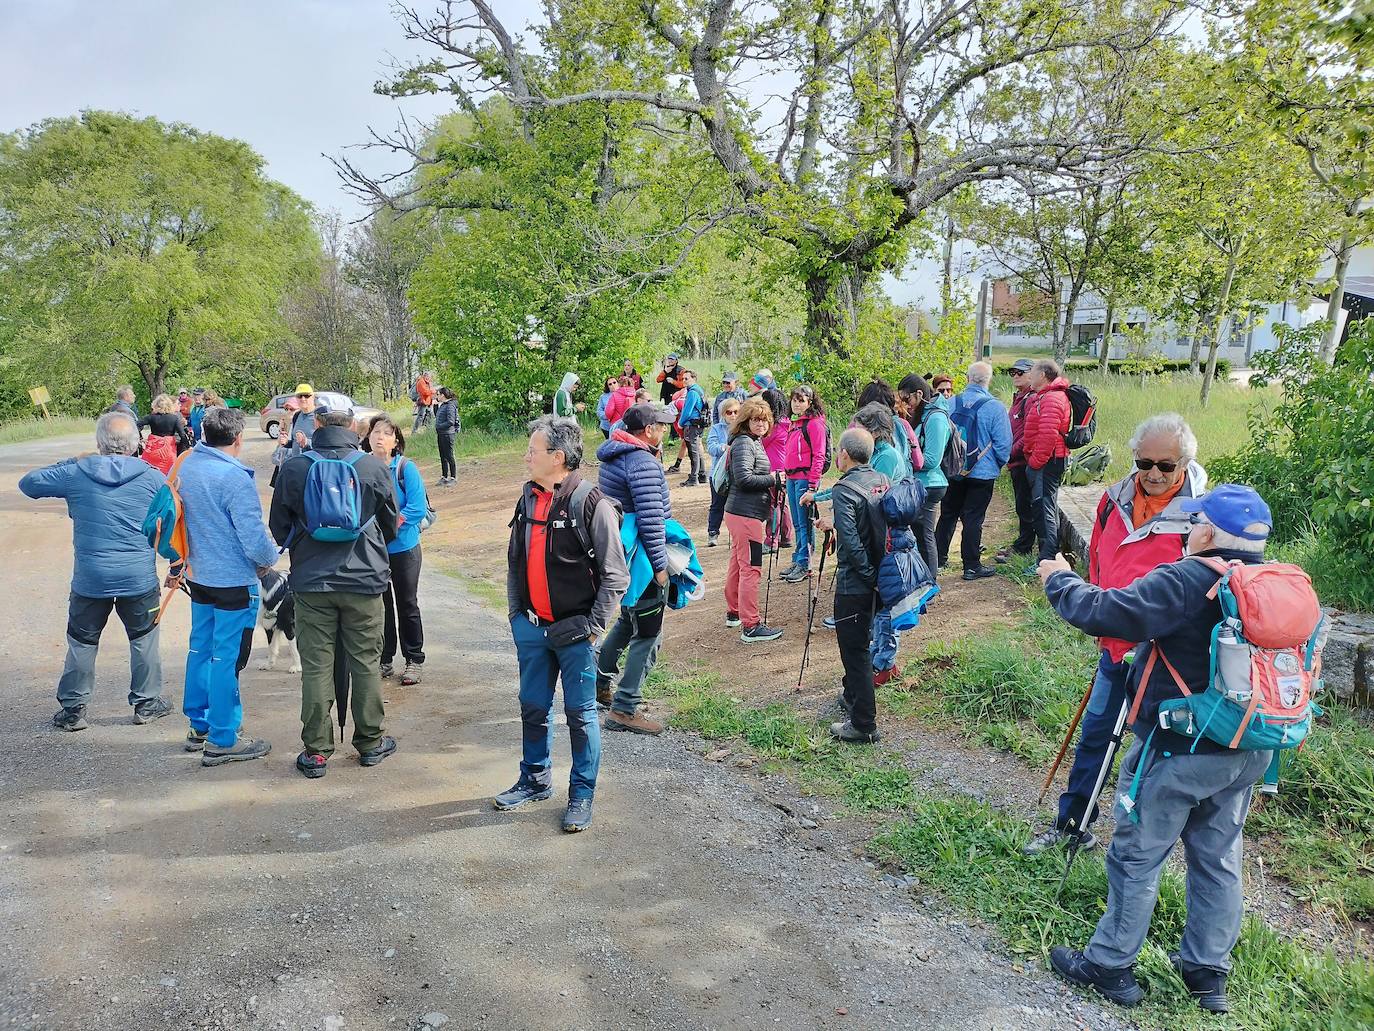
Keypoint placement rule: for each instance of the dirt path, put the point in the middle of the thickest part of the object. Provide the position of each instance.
(139, 890)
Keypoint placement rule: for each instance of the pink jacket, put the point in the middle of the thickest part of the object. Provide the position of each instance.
(806, 450)
(775, 445)
(619, 403)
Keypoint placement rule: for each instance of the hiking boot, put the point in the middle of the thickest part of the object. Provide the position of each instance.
(795, 574)
(195, 740)
(72, 719)
(676, 467)
(518, 794)
(1207, 986)
(1007, 554)
(845, 730)
(732, 619)
(842, 706)
(1052, 836)
(578, 815)
(635, 722)
(411, 676)
(604, 694)
(388, 671)
(1118, 985)
(152, 709)
(242, 750)
(759, 634)
(691, 481)
(702, 478)
(882, 676)
(312, 764)
(828, 623)
(373, 756)
(980, 573)
(712, 539)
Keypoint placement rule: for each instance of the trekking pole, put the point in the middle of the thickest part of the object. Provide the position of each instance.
(773, 526)
(1076, 826)
(1063, 748)
(811, 609)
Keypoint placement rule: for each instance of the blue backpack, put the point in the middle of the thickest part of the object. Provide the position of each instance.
(333, 498)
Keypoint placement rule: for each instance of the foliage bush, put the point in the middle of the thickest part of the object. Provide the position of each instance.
(1312, 455)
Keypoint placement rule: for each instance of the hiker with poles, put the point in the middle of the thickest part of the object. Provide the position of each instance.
(859, 533)
(751, 487)
(229, 549)
(113, 566)
(808, 458)
(1231, 652)
(778, 530)
(335, 508)
(1139, 526)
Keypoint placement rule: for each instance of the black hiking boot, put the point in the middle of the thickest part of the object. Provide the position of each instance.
(1117, 985)
(312, 764)
(578, 816)
(72, 719)
(759, 634)
(152, 709)
(195, 740)
(520, 793)
(242, 750)
(1207, 986)
(1052, 836)
(844, 730)
(373, 756)
(979, 573)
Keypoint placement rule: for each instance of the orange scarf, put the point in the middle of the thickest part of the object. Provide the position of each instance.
(1145, 507)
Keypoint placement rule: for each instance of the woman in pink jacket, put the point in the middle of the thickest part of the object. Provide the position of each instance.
(805, 462)
(778, 530)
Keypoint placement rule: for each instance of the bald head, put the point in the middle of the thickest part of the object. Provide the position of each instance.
(855, 448)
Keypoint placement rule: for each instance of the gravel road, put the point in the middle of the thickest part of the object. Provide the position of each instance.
(139, 890)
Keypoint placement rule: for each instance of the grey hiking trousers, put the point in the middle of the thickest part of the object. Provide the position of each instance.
(86, 618)
(1202, 799)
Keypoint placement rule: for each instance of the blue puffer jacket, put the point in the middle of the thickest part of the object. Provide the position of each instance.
(107, 497)
(632, 475)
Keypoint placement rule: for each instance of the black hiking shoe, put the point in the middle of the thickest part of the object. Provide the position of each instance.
(842, 706)
(1053, 836)
(578, 815)
(732, 619)
(242, 750)
(979, 573)
(195, 740)
(72, 719)
(312, 764)
(373, 756)
(1117, 985)
(691, 481)
(1207, 986)
(152, 709)
(759, 634)
(519, 794)
(388, 670)
(844, 730)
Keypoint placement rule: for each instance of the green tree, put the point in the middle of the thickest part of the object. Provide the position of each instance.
(127, 242)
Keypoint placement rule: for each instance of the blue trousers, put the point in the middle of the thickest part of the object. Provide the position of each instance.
(884, 647)
(541, 665)
(222, 620)
(801, 522)
(1099, 719)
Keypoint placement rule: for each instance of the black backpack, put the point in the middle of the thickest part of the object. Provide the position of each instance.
(1083, 421)
(829, 446)
(955, 458)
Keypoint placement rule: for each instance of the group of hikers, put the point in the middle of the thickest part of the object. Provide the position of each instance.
(173, 424)
(594, 568)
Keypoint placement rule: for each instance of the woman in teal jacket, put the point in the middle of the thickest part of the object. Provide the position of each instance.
(929, 413)
(401, 602)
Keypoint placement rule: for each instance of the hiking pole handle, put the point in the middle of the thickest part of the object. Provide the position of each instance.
(1064, 747)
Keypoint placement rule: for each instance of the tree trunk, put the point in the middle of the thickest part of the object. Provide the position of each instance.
(947, 280)
(1223, 323)
(1105, 358)
(824, 319)
(1061, 347)
(1333, 304)
(1064, 344)
(1195, 345)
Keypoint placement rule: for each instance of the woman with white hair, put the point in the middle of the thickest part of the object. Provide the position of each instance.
(1139, 526)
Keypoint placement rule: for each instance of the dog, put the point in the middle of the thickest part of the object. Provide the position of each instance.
(277, 617)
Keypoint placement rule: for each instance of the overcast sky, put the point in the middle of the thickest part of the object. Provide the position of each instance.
(293, 78)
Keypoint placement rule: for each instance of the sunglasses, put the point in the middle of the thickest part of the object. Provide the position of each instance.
(1145, 465)
(302, 397)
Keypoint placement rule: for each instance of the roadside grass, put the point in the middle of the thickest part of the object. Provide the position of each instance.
(970, 854)
(18, 430)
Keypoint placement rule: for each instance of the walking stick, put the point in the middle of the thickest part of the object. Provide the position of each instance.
(775, 528)
(1078, 824)
(811, 608)
(1063, 748)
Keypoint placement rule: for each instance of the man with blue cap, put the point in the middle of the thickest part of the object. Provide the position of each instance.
(1192, 789)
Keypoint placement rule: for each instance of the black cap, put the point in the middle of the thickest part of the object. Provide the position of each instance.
(644, 414)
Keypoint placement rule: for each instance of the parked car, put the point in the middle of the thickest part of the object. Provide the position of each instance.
(274, 413)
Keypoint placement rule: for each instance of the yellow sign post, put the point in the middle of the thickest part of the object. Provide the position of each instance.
(40, 398)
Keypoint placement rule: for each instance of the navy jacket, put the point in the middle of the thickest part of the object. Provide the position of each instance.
(107, 498)
(1169, 605)
(632, 475)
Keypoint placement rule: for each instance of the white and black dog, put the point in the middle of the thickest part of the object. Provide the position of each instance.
(277, 617)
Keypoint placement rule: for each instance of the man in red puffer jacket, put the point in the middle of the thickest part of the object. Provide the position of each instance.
(1048, 415)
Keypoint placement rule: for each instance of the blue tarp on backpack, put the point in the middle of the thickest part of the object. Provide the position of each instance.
(905, 582)
(333, 498)
(688, 583)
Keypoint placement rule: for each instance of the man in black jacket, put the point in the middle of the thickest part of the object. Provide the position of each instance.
(859, 546)
(338, 587)
(1189, 788)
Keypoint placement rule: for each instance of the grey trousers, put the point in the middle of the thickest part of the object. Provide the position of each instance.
(1202, 799)
(637, 633)
(86, 618)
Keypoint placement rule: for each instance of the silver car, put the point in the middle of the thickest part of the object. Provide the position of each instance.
(274, 414)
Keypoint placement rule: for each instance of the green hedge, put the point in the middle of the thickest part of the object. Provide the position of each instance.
(1116, 364)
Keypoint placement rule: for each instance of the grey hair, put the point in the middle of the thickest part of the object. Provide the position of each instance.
(563, 434)
(876, 417)
(1167, 424)
(125, 392)
(1049, 368)
(116, 434)
(1231, 542)
(339, 418)
(857, 443)
(980, 373)
(221, 426)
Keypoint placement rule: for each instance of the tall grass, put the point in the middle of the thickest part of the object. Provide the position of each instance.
(19, 430)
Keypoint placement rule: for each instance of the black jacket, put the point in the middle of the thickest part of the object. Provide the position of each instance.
(1168, 605)
(860, 536)
(167, 424)
(446, 418)
(354, 567)
(751, 479)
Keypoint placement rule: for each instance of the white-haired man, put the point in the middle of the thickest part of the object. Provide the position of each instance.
(986, 428)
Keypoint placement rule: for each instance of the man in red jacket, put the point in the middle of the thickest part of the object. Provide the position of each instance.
(1016, 465)
(1139, 526)
(1048, 415)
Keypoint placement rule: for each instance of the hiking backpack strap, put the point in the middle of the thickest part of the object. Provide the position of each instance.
(577, 507)
(1156, 652)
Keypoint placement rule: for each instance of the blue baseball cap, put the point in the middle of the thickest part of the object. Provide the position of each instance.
(1231, 507)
